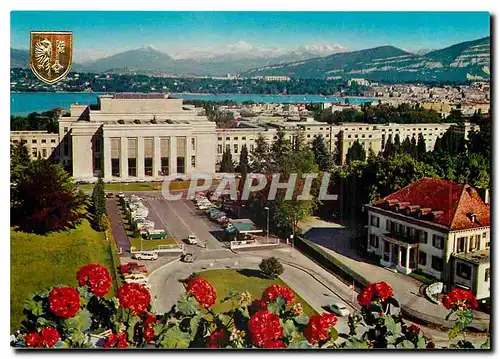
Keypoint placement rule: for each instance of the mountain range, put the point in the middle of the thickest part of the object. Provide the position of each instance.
(463, 61)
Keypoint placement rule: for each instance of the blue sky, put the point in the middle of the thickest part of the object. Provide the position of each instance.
(110, 32)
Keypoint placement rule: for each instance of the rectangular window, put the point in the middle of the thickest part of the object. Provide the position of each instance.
(437, 263)
(132, 167)
(148, 166)
(252, 147)
(236, 138)
(474, 243)
(387, 224)
(235, 146)
(244, 138)
(228, 138)
(461, 244)
(423, 237)
(115, 167)
(487, 275)
(219, 148)
(65, 129)
(52, 141)
(193, 144)
(422, 258)
(484, 234)
(438, 241)
(463, 270)
(228, 148)
(34, 152)
(44, 140)
(193, 161)
(44, 152)
(181, 165)
(487, 244)
(219, 138)
(164, 166)
(373, 240)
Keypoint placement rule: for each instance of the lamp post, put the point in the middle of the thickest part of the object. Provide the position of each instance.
(291, 240)
(267, 231)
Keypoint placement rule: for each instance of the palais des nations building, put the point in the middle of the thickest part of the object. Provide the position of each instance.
(143, 137)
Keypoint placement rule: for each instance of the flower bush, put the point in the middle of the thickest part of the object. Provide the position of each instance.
(64, 317)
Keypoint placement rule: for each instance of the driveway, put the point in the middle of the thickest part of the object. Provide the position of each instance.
(119, 233)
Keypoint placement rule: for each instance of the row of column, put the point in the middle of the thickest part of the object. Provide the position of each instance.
(407, 264)
(172, 156)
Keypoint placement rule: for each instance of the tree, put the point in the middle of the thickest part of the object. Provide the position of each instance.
(421, 147)
(19, 155)
(322, 156)
(48, 200)
(397, 144)
(244, 166)
(271, 267)
(356, 153)
(280, 152)
(406, 146)
(260, 154)
(227, 165)
(99, 203)
(414, 148)
(389, 147)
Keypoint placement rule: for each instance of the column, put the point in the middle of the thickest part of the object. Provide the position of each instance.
(107, 158)
(123, 158)
(173, 155)
(390, 252)
(399, 256)
(189, 153)
(407, 259)
(140, 157)
(156, 156)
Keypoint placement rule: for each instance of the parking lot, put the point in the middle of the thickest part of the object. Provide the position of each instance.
(181, 218)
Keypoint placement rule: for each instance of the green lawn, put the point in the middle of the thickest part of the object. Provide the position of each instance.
(424, 278)
(140, 186)
(38, 262)
(150, 244)
(227, 280)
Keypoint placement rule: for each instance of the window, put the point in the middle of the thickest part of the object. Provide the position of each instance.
(33, 141)
(423, 237)
(115, 167)
(164, 165)
(251, 147)
(487, 244)
(461, 244)
(219, 138)
(15, 141)
(219, 148)
(44, 140)
(44, 152)
(437, 263)
(438, 241)
(474, 243)
(34, 152)
(228, 148)
(463, 270)
(65, 129)
(244, 138)
(132, 167)
(236, 138)
(148, 166)
(308, 136)
(193, 161)
(422, 258)
(24, 141)
(193, 144)
(235, 146)
(348, 136)
(53, 141)
(373, 240)
(387, 224)
(228, 138)
(181, 165)
(484, 234)
(487, 275)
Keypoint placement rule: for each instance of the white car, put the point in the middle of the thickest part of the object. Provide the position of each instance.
(146, 256)
(191, 239)
(339, 309)
(121, 194)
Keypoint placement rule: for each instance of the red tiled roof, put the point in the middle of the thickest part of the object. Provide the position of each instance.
(456, 201)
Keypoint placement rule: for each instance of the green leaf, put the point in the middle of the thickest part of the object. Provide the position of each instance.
(81, 321)
(281, 301)
(302, 319)
(421, 342)
(302, 344)
(354, 343)
(406, 344)
(392, 326)
(131, 326)
(193, 324)
(274, 307)
(334, 334)
(288, 328)
(188, 305)
(78, 337)
(175, 338)
(454, 331)
(486, 344)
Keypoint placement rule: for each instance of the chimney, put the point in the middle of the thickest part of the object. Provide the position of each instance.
(487, 196)
(472, 217)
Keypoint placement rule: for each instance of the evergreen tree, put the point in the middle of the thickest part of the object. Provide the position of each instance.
(414, 148)
(406, 146)
(356, 153)
(389, 147)
(19, 155)
(280, 151)
(99, 203)
(260, 154)
(421, 147)
(397, 144)
(322, 156)
(244, 165)
(227, 165)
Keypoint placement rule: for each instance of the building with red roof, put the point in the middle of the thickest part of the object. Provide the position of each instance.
(437, 227)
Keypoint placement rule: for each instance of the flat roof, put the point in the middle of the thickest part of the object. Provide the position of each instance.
(245, 226)
(475, 257)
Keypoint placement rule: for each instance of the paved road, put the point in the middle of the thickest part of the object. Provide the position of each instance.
(117, 226)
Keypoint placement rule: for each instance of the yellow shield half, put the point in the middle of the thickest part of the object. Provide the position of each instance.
(51, 54)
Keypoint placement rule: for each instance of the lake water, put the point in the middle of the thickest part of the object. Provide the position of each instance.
(23, 103)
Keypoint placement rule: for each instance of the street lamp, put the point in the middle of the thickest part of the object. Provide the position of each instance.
(291, 248)
(267, 231)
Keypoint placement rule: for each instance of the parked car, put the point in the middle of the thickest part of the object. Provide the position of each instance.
(121, 194)
(156, 234)
(188, 258)
(191, 239)
(339, 309)
(146, 256)
(110, 195)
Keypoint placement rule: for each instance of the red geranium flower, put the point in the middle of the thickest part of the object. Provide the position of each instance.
(274, 291)
(64, 302)
(383, 290)
(203, 291)
(380, 291)
(460, 299)
(134, 297)
(258, 304)
(33, 340)
(149, 333)
(96, 277)
(414, 329)
(50, 336)
(273, 344)
(317, 328)
(118, 340)
(218, 339)
(264, 326)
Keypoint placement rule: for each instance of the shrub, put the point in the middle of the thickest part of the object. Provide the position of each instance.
(271, 267)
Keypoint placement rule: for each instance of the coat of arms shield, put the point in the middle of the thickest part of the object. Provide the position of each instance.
(51, 54)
